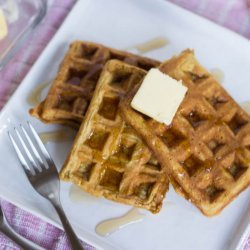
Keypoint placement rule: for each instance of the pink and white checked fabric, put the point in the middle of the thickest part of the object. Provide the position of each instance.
(233, 14)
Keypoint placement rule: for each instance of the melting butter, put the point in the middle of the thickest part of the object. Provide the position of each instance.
(107, 227)
(152, 44)
(61, 135)
(218, 74)
(246, 106)
(77, 195)
(35, 96)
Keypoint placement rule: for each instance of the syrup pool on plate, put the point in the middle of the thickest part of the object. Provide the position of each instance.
(60, 135)
(218, 74)
(109, 226)
(77, 195)
(246, 106)
(152, 44)
(35, 96)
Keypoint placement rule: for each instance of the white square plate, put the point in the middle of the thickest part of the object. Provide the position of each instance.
(121, 24)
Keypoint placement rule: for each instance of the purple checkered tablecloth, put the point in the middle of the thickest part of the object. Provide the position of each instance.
(233, 14)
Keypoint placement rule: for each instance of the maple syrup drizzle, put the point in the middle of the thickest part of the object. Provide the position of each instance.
(109, 226)
(77, 195)
(61, 135)
(246, 106)
(35, 96)
(152, 44)
(218, 74)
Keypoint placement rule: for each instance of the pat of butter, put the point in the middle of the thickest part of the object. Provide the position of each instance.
(159, 96)
(3, 26)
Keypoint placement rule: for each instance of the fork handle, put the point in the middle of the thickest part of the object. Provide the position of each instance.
(73, 239)
(19, 239)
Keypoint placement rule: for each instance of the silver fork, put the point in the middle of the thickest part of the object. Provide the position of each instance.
(8, 231)
(41, 172)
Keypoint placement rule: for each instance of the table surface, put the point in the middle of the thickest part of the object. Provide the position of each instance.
(233, 14)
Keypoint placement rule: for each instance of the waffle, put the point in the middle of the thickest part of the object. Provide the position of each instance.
(72, 89)
(108, 159)
(206, 149)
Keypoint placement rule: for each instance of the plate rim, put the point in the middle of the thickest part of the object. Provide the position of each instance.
(40, 58)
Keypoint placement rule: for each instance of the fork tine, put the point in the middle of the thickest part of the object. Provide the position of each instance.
(20, 156)
(30, 157)
(47, 157)
(38, 157)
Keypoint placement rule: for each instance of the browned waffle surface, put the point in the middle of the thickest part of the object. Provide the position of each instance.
(72, 89)
(108, 158)
(207, 147)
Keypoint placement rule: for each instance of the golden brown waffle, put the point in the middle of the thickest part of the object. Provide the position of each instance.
(207, 147)
(108, 158)
(72, 89)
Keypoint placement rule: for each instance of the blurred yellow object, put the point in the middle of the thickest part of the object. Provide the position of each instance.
(3, 26)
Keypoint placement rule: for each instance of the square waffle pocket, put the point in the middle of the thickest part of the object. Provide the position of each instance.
(206, 149)
(108, 158)
(72, 89)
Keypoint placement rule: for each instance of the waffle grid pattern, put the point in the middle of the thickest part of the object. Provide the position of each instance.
(206, 149)
(108, 158)
(72, 89)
